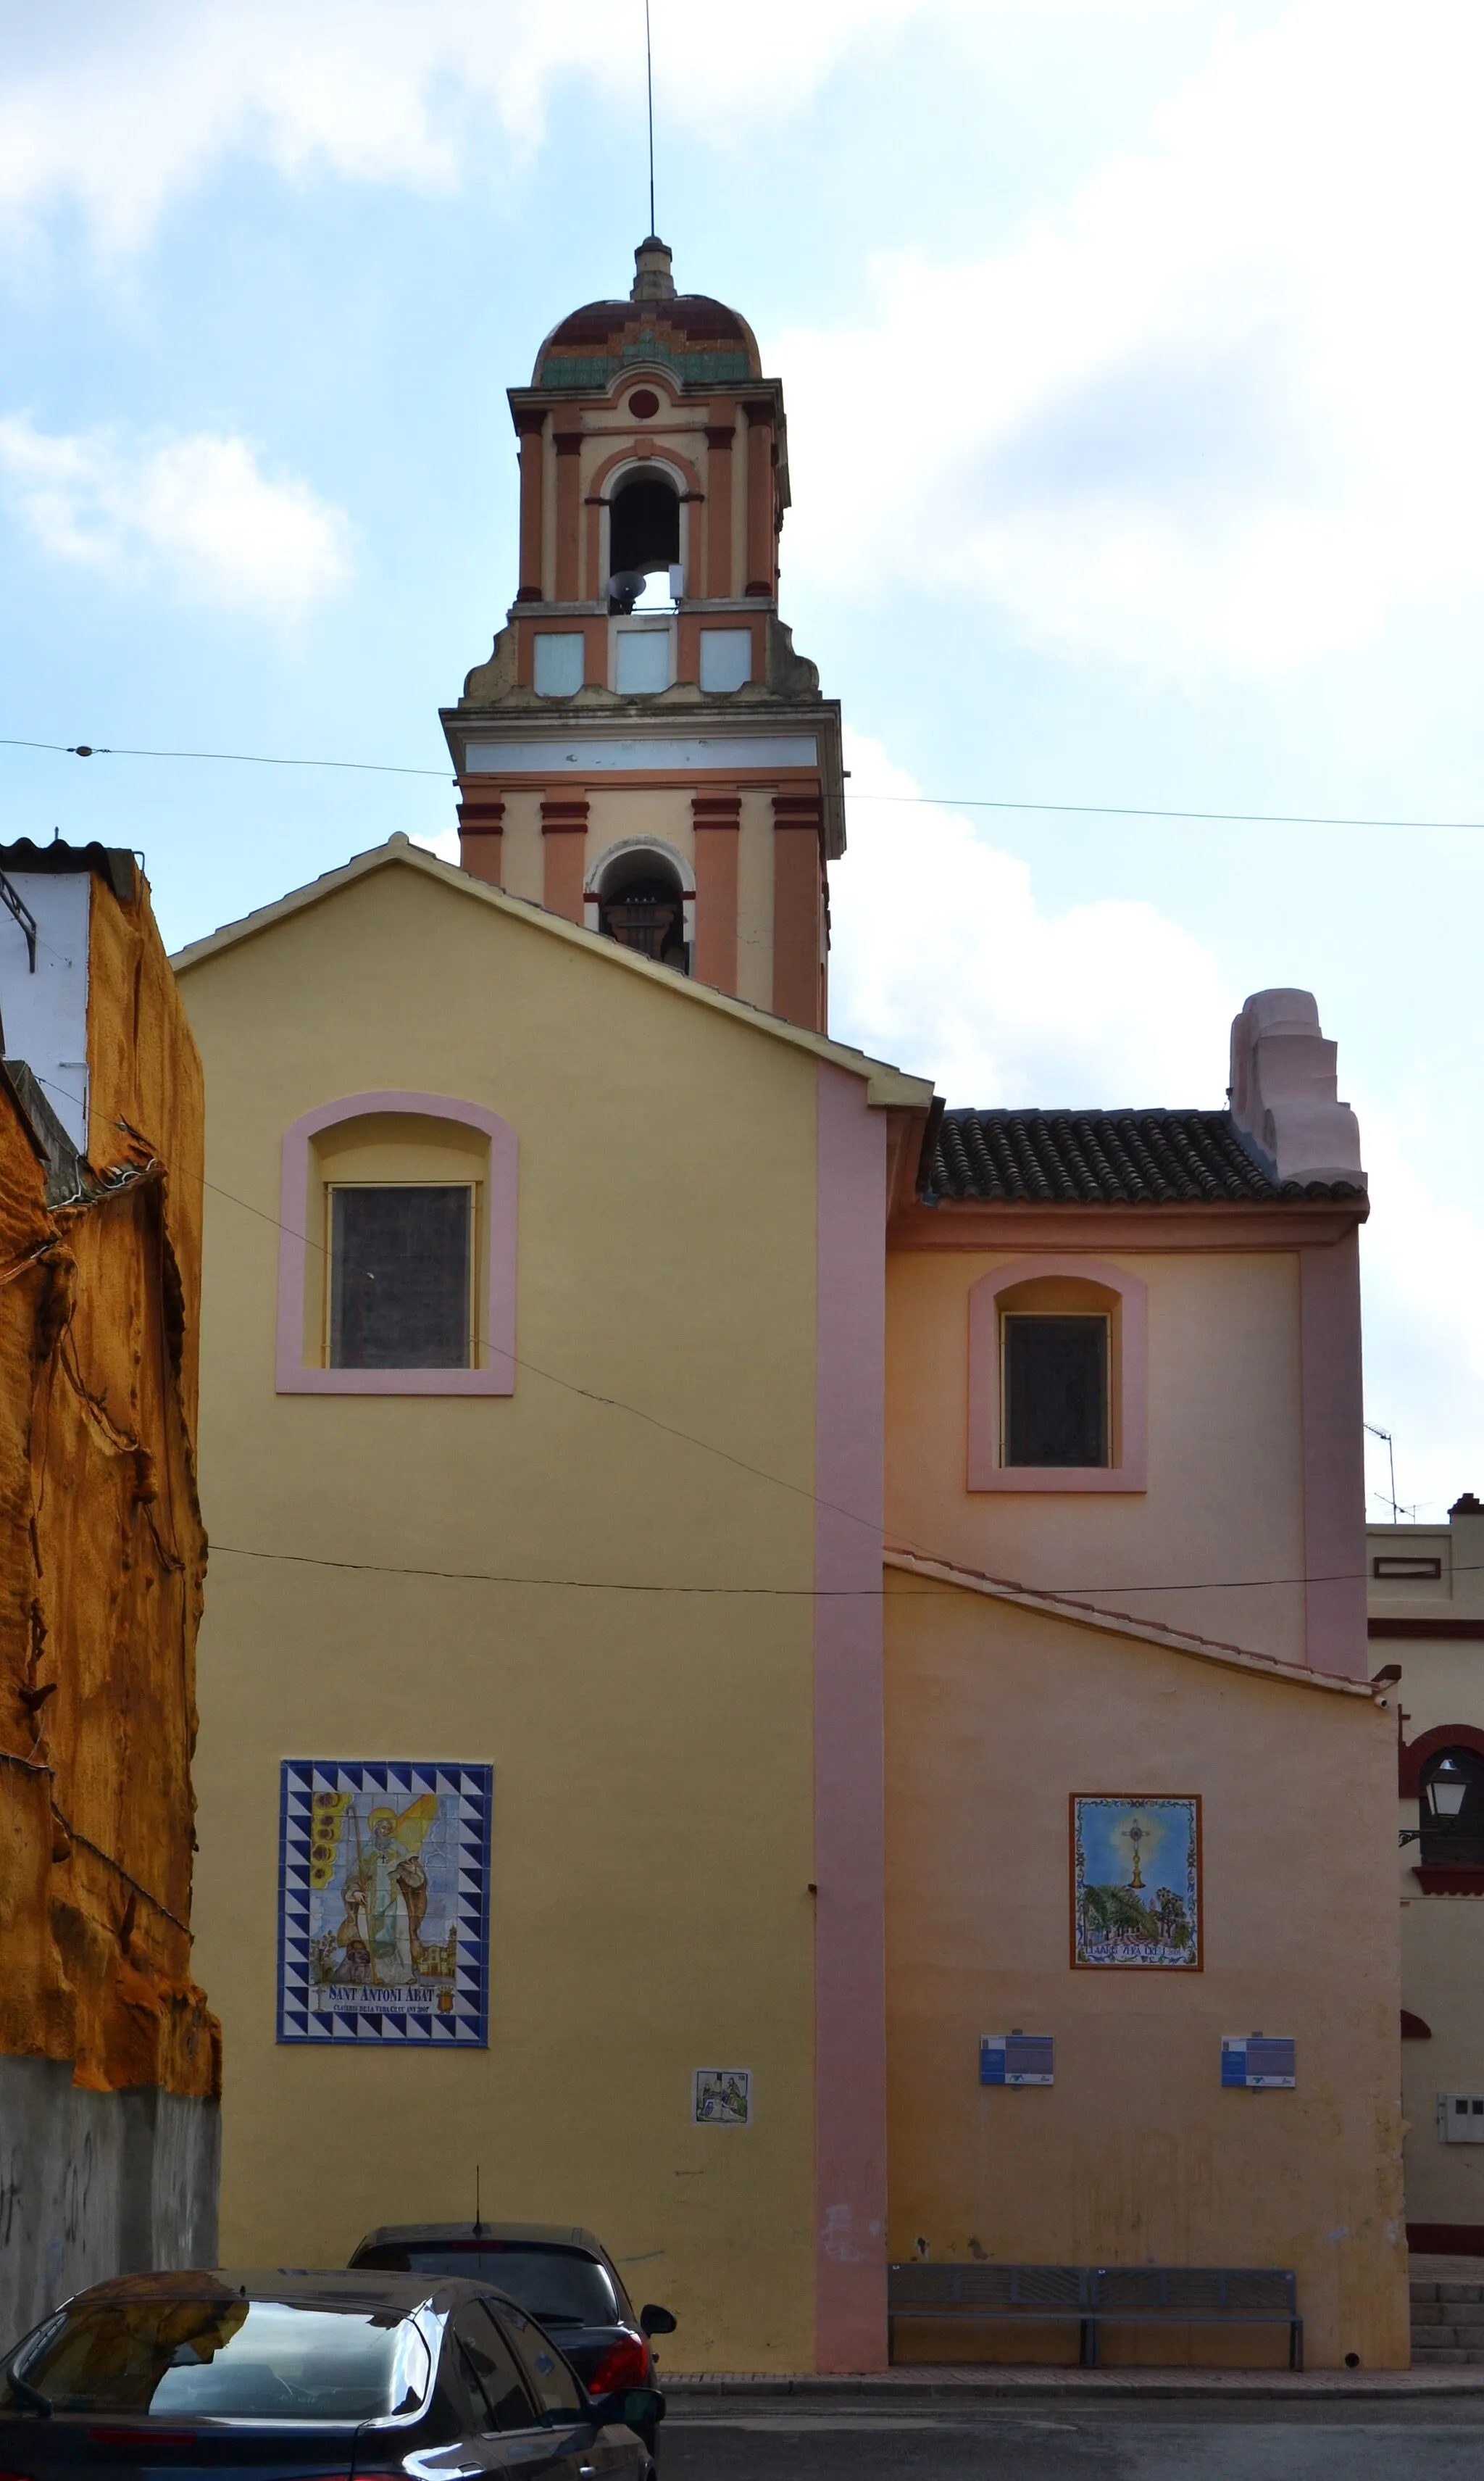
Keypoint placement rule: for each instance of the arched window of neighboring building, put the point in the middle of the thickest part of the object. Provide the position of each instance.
(1450, 1810)
(641, 904)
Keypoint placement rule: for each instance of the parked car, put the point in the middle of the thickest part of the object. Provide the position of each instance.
(563, 2277)
(175, 2376)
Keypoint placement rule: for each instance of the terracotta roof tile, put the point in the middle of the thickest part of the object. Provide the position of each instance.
(1107, 1157)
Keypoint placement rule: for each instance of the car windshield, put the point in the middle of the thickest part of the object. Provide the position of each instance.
(560, 2286)
(216, 2355)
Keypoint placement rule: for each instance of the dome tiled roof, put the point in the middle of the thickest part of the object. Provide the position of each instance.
(701, 340)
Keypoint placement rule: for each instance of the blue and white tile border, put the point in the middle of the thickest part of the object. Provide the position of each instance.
(465, 2023)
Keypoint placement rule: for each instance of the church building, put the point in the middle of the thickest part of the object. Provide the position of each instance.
(785, 1669)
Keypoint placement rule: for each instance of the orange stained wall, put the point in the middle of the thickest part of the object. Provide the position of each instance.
(102, 1554)
(995, 1715)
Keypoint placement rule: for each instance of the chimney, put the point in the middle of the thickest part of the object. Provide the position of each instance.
(1283, 1092)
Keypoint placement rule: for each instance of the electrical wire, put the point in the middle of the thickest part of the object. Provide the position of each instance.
(911, 800)
(227, 758)
(709, 1447)
(1128, 810)
(778, 1593)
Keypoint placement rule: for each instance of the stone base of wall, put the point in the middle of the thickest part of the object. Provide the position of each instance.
(98, 2183)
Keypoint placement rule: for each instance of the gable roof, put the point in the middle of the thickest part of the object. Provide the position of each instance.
(1092, 1615)
(884, 1084)
(1129, 1158)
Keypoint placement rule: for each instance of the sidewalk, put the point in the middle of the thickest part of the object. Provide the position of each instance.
(919, 2383)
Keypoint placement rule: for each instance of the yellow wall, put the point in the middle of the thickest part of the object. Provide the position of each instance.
(652, 1753)
(1225, 1495)
(995, 1715)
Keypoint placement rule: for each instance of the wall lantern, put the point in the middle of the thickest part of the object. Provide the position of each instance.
(1444, 1795)
(1446, 1791)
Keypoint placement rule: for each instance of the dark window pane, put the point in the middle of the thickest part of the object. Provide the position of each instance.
(212, 2355)
(1056, 1391)
(400, 1278)
(490, 2371)
(547, 2372)
(561, 2287)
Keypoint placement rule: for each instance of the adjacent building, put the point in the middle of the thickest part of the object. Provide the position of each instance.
(787, 1672)
(109, 2059)
(1426, 1588)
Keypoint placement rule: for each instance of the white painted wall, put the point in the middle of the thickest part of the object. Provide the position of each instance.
(44, 1014)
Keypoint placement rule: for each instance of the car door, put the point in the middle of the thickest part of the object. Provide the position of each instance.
(515, 2441)
(597, 2455)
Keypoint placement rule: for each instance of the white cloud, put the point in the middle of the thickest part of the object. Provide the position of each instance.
(117, 111)
(1421, 1252)
(1221, 412)
(196, 512)
(942, 960)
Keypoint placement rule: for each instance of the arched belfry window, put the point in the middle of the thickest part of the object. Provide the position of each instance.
(643, 534)
(1451, 1808)
(641, 904)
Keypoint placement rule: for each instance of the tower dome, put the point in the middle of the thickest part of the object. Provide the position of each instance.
(645, 753)
(703, 342)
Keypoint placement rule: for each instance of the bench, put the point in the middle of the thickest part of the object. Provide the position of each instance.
(1090, 2297)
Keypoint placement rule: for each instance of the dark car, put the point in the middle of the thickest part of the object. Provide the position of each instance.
(322, 2377)
(563, 2277)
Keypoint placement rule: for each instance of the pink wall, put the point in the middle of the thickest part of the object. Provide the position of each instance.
(849, 1827)
(497, 1376)
(1334, 1457)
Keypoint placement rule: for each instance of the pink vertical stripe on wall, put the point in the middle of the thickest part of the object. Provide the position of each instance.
(1329, 1280)
(848, 1732)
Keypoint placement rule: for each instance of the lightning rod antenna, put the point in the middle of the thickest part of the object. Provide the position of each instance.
(649, 91)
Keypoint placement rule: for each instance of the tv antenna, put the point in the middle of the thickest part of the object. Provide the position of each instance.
(649, 93)
(1377, 1432)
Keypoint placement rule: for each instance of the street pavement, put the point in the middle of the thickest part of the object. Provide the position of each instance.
(1426, 2440)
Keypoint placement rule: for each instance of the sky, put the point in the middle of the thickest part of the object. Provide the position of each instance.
(1154, 325)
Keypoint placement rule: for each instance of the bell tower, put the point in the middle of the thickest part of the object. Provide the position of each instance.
(645, 753)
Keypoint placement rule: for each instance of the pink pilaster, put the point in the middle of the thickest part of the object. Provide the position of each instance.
(849, 1828)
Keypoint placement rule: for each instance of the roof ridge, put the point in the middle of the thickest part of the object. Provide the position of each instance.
(886, 1082)
(1076, 1607)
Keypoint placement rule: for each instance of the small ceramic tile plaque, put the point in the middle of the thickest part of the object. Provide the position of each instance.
(722, 2097)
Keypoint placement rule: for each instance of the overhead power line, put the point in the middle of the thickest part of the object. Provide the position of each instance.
(773, 1593)
(910, 800)
(708, 1447)
(227, 758)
